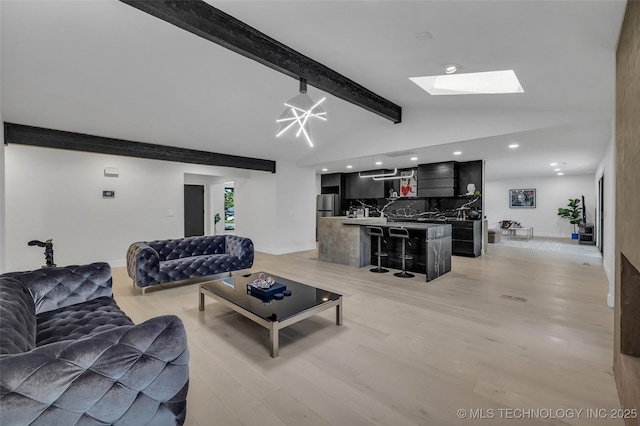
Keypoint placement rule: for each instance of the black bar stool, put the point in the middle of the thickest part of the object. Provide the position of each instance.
(376, 231)
(402, 233)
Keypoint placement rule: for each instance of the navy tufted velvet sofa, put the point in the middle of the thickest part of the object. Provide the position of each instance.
(163, 261)
(70, 356)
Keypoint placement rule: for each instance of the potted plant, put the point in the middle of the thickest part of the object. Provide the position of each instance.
(573, 213)
(216, 219)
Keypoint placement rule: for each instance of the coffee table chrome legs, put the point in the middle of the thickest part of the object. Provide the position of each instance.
(273, 339)
(273, 326)
(274, 329)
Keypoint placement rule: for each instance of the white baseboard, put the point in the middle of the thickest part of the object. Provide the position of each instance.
(284, 250)
(612, 284)
(547, 235)
(117, 263)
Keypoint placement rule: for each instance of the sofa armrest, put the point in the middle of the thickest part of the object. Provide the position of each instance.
(135, 374)
(143, 264)
(53, 288)
(242, 248)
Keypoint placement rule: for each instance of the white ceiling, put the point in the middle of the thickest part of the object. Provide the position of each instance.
(105, 68)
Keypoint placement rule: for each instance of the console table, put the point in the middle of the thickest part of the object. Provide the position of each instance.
(586, 234)
(527, 232)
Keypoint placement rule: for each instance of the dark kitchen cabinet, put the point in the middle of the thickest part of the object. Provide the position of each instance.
(438, 179)
(466, 238)
(470, 172)
(357, 187)
(330, 180)
(364, 187)
(332, 184)
(379, 188)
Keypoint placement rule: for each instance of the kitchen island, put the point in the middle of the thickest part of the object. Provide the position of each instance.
(345, 241)
(345, 245)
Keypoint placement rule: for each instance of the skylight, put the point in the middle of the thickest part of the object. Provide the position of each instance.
(476, 83)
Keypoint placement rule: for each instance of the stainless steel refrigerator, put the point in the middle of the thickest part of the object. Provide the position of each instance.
(327, 205)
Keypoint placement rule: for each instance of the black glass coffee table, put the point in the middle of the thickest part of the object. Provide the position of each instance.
(269, 312)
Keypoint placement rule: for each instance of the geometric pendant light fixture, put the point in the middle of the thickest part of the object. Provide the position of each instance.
(298, 112)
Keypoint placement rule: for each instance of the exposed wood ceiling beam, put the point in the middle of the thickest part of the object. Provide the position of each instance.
(210, 23)
(38, 136)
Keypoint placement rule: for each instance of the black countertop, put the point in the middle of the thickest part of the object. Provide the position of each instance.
(390, 224)
(413, 225)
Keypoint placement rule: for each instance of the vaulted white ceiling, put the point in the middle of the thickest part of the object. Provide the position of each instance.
(105, 68)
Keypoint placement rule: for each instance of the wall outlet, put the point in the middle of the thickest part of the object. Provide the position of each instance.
(108, 194)
(170, 213)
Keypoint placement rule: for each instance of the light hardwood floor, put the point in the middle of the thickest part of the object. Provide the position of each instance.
(408, 352)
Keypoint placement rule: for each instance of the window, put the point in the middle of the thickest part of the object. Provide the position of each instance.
(229, 210)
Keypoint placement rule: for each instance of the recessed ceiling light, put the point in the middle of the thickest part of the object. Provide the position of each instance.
(513, 145)
(425, 35)
(553, 164)
(324, 170)
(349, 166)
(556, 170)
(457, 153)
(450, 68)
(475, 83)
(378, 163)
(414, 158)
(560, 174)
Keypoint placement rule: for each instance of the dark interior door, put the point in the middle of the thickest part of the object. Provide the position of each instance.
(193, 210)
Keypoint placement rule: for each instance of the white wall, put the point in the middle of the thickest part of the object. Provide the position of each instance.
(551, 193)
(57, 194)
(607, 168)
(255, 205)
(295, 207)
(288, 226)
(3, 238)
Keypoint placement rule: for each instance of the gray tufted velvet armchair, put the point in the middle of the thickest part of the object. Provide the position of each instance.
(163, 261)
(70, 356)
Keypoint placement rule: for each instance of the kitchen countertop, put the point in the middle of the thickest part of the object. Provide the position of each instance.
(383, 222)
(364, 221)
(415, 225)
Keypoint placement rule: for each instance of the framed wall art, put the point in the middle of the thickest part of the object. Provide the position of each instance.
(408, 184)
(522, 198)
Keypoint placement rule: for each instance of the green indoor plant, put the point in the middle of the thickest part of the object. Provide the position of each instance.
(573, 213)
(216, 219)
